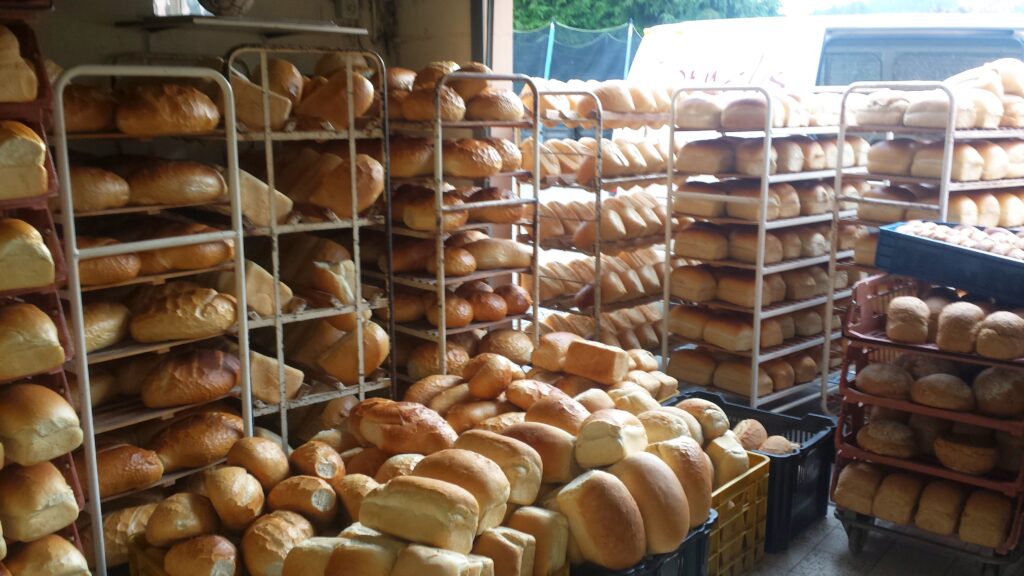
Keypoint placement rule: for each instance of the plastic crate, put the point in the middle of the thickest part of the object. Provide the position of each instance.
(944, 264)
(798, 486)
(737, 540)
(649, 566)
(691, 559)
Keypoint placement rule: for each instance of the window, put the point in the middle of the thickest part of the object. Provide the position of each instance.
(178, 8)
(844, 68)
(937, 65)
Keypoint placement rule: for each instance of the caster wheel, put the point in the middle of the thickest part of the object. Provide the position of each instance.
(857, 538)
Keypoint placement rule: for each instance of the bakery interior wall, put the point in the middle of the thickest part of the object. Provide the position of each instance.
(407, 33)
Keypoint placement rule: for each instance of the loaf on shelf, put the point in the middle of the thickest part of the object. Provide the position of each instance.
(22, 162)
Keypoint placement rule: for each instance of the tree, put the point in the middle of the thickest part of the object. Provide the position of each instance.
(594, 14)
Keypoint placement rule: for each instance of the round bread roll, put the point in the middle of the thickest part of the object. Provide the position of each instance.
(907, 320)
(958, 327)
(559, 411)
(488, 307)
(309, 496)
(418, 106)
(424, 361)
(399, 465)
(512, 344)
(779, 445)
(713, 421)
(469, 158)
(261, 457)
(106, 269)
(888, 438)
(517, 299)
(88, 109)
(171, 183)
(495, 105)
(158, 109)
(1001, 336)
(694, 472)
(181, 516)
(236, 495)
(93, 189)
(269, 539)
(511, 156)
(400, 78)
(943, 391)
(751, 434)
(967, 454)
(885, 380)
(478, 475)
(204, 555)
(1000, 392)
(604, 520)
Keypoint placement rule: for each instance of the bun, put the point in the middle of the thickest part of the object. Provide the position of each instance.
(352, 490)
(713, 421)
(157, 109)
(334, 191)
(444, 515)
(423, 361)
(28, 341)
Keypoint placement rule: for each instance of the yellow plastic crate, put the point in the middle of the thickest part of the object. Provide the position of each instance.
(144, 559)
(737, 539)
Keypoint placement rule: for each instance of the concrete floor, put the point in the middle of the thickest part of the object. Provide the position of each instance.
(822, 550)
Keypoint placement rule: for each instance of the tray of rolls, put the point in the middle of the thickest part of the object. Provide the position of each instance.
(988, 261)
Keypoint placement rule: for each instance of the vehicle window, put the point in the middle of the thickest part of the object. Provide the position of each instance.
(938, 65)
(840, 69)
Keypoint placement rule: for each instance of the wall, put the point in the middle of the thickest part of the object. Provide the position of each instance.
(430, 30)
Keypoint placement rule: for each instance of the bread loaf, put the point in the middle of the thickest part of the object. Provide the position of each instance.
(939, 508)
(885, 380)
(124, 468)
(478, 475)
(203, 555)
(943, 391)
(967, 454)
(352, 490)
(400, 465)
(119, 528)
(896, 498)
(28, 341)
(179, 517)
(87, 109)
(158, 109)
(520, 463)
(191, 378)
(198, 440)
(24, 254)
(50, 555)
(1000, 392)
(319, 460)
(1001, 336)
(607, 437)
(888, 438)
(311, 497)
(36, 424)
(550, 531)
(555, 447)
(551, 352)
(598, 362)
(693, 470)
(403, 427)
(958, 327)
(267, 542)
(907, 320)
(446, 515)
(340, 360)
(198, 313)
(986, 519)
(660, 499)
(34, 501)
(728, 458)
(330, 102)
(604, 520)
(261, 457)
(857, 487)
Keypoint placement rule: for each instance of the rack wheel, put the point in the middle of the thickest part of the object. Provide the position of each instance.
(858, 537)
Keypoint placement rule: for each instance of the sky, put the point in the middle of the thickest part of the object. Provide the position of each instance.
(804, 7)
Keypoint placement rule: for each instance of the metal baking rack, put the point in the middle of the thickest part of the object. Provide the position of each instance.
(74, 255)
(944, 185)
(317, 387)
(602, 187)
(783, 400)
(439, 282)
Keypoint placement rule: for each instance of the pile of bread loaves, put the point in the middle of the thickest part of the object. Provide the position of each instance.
(784, 200)
(738, 111)
(628, 276)
(940, 507)
(709, 242)
(619, 157)
(745, 156)
(147, 109)
(959, 325)
(971, 162)
(416, 207)
(467, 158)
(411, 95)
(648, 105)
(941, 384)
(474, 301)
(989, 96)
(465, 252)
(321, 176)
(701, 367)
(985, 208)
(628, 328)
(998, 241)
(623, 217)
(701, 284)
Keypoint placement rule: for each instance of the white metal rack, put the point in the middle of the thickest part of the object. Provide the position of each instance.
(602, 246)
(440, 282)
(74, 255)
(318, 387)
(944, 186)
(801, 393)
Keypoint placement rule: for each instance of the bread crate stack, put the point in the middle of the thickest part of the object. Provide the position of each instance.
(40, 493)
(754, 202)
(456, 195)
(160, 357)
(600, 217)
(315, 164)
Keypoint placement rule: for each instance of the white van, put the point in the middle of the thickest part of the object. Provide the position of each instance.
(799, 52)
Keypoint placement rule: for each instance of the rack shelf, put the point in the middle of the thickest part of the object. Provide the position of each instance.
(791, 346)
(778, 223)
(783, 266)
(773, 310)
(772, 178)
(938, 133)
(953, 186)
(268, 28)
(426, 331)
(166, 481)
(568, 304)
(398, 126)
(429, 180)
(130, 411)
(569, 181)
(424, 282)
(565, 243)
(781, 131)
(158, 278)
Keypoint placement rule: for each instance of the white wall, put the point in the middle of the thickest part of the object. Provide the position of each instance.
(432, 30)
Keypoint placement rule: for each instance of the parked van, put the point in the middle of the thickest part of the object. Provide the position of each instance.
(825, 50)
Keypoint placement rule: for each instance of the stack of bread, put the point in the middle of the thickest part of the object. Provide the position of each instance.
(709, 242)
(320, 177)
(745, 156)
(784, 200)
(973, 161)
(625, 217)
(23, 161)
(630, 104)
(416, 207)
(145, 110)
(998, 241)
(738, 111)
(1004, 207)
(464, 158)
(635, 327)
(620, 157)
(987, 97)
(412, 95)
(708, 285)
(465, 252)
(962, 325)
(975, 516)
(21, 84)
(628, 276)
(702, 367)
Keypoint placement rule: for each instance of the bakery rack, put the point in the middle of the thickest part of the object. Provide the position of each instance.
(865, 331)
(439, 282)
(602, 187)
(944, 185)
(799, 393)
(75, 254)
(318, 386)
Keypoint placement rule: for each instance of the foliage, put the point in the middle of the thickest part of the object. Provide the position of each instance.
(595, 14)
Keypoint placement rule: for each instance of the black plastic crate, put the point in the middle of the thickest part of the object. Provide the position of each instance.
(944, 264)
(691, 559)
(798, 483)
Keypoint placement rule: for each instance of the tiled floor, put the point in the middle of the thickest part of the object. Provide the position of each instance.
(823, 551)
